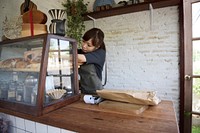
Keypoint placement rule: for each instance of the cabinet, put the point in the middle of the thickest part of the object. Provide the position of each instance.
(38, 74)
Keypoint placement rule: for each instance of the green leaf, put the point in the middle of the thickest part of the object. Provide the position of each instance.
(187, 113)
(75, 20)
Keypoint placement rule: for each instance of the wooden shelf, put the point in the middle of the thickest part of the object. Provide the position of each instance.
(20, 69)
(131, 8)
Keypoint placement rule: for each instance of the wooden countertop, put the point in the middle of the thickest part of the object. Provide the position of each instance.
(85, 118)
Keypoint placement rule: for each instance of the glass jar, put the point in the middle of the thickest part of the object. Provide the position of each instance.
(20, 92)
(4, 89)
(12, 91)
(30, 83)
(34, 95)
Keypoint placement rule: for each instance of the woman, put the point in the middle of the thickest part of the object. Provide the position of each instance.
(91, 57)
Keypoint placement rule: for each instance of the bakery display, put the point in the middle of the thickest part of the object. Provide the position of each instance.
(38, 74)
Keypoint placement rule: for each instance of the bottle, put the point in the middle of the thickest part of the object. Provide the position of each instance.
(12, 87)
(34, 94)
(1, 82)
(29, 83)
(20, 92)
(4, 90)
(12, 91)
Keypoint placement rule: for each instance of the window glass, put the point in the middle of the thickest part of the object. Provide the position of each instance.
(19, 71)
(59, 71)
(196, 20)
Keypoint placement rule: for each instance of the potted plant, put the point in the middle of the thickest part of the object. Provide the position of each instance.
(75, 20)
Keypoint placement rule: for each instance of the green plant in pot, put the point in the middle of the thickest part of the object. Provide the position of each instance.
(75, 20)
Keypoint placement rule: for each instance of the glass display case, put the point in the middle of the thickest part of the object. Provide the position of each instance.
(38, 74)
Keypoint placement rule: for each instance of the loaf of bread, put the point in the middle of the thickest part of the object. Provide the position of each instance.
(10, 63)
(19, 63)
(33, 66)
(31, 60)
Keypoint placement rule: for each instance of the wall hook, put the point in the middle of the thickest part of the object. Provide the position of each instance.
(151, 16)
(93, 19)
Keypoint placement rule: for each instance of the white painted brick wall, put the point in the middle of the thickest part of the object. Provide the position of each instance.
(141, 56)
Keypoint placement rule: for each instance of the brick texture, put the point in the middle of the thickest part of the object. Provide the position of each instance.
(143, 51)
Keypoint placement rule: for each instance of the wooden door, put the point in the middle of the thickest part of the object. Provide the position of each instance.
(191, 92)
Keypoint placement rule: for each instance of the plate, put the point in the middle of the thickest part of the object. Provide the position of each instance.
(12, 27)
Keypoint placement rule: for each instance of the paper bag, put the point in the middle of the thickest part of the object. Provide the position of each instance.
(130, 96)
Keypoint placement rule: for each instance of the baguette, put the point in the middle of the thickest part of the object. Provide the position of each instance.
(10, 63)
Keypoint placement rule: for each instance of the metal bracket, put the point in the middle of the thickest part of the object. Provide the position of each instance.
(93, 19)
(151, 16)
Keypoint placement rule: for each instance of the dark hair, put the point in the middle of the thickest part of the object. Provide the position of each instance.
(97, 37)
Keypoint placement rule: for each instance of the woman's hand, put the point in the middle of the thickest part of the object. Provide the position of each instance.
(81, 59)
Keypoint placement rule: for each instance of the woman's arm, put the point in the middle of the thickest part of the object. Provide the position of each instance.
(81, 58)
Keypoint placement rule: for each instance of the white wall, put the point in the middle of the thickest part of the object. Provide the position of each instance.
(140, 56)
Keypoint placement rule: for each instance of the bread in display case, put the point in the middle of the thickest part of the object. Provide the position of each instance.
(38, 74)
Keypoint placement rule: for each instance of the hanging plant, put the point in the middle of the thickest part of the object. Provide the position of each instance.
(75, 20)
